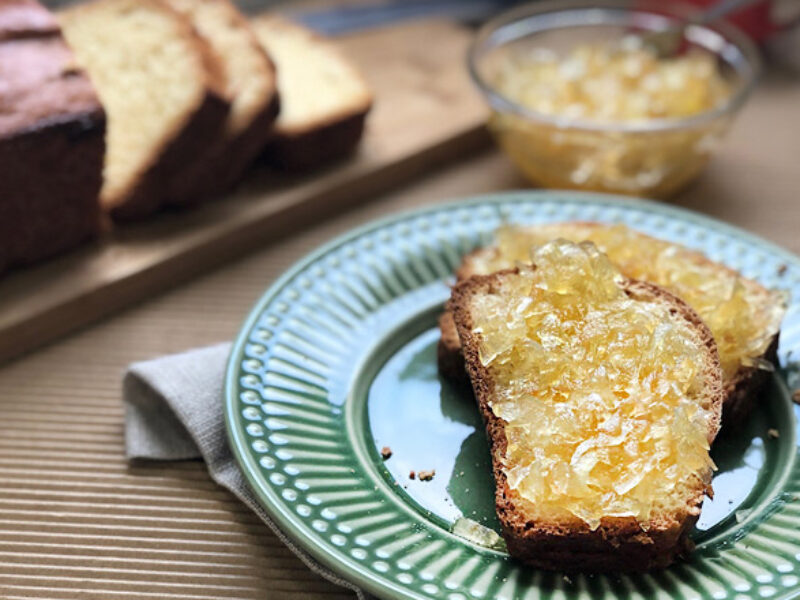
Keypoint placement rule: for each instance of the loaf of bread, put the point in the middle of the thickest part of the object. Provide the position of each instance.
(160, 87)
(324, 98)
(601, 396)
(25, 19)
(51, 139)
(250, 83)
(743, 316)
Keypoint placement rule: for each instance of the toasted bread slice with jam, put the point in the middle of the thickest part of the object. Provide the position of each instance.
(324, 97)
(743, 316)
(601, 396)
(250, 82)
(159, 85)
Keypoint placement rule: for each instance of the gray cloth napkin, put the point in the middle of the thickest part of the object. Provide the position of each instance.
(174, 411)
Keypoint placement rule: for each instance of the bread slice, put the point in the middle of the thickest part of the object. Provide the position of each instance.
(51, 139)
(744, 316)
(601, 396)
(156, 80)
(324, 98)
(250, 82)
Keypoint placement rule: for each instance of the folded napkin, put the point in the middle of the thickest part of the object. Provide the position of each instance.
(174, 411)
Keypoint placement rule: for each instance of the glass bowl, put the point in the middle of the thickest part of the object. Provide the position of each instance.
(653, 157)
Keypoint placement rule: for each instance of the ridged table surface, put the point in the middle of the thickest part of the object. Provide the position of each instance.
(78, 521)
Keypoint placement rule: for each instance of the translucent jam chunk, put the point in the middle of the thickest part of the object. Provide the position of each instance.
(742, 315)
(614, 82)
(602, 393)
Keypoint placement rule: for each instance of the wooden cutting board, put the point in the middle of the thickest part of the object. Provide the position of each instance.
(426, 113)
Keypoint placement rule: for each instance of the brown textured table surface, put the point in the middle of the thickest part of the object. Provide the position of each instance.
(78, 521)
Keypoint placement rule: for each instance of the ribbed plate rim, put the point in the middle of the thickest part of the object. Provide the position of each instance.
(288, 522)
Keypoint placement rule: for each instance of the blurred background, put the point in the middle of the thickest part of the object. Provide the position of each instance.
(761, 19)
(77, 515)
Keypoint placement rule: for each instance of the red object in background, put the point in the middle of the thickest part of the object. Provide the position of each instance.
(755, 20)
(763, 18)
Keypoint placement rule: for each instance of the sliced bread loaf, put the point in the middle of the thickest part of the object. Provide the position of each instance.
(156, 80)
(51, 139)
(250, 83)
(601, 396)
(743, 316)
(324, 98)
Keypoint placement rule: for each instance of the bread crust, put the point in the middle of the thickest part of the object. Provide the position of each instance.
(741, 394)
(317, 145)
(201, 124)
(449, 357)
(162, 184)
(156, 187)
(25, 19)
(52, 131)
(244, 150)
(618, 544)
(42, 216)
(309, 145)
(228, 157)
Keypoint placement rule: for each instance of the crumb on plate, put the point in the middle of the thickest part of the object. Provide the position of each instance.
(427, 475)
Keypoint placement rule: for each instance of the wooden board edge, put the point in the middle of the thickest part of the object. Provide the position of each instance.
(84, 309)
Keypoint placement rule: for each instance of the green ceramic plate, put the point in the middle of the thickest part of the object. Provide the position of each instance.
(337, 360)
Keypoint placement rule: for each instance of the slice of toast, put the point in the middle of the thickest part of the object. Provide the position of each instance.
(743, 315)
(324, 98)
(156, 79)
(601, 396)
(250, 82)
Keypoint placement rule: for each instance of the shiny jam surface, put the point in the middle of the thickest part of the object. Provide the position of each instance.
(600, 392)
(743, 316)
(621, 81)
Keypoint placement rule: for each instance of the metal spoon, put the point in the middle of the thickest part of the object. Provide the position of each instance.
(667, 42)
